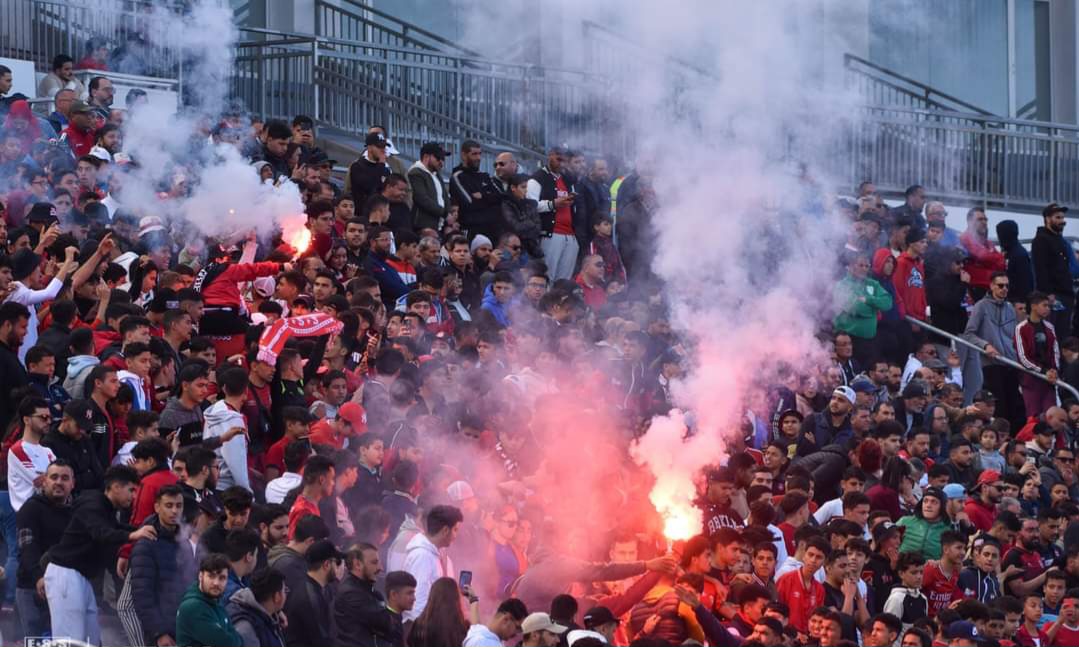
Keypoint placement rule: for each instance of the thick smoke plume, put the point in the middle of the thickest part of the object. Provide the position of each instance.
(222, 194)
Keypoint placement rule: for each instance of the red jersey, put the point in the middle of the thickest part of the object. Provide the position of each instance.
(78, 141)
(595, 297)
(1026, 639)
(1066, 636)
(791, 590)
(563, 216)
(275, 455)
(300, 509)
(323, 434)
(940, 590)
(909, 283)
(788, 536)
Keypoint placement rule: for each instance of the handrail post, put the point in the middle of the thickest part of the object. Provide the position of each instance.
(314, 81)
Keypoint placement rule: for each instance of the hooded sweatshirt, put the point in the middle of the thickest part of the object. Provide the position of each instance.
(252, 622)
(909, 282)
(491, 304)
(858, 302)
(78, 367)
(425, 562)
(992, 322)
(879, 258)
(202, 621)
(219, 419)
(1017, 259)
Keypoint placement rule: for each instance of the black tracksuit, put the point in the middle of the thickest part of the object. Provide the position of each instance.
(94, 536)
(40, 523)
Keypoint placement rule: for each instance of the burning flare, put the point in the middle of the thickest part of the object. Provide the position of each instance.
(294, 231)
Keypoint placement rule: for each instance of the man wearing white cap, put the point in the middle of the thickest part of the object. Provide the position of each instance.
(833, 424)
(540, 631)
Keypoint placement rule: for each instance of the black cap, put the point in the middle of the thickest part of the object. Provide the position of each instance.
(721, 475)
(984, 396)
(23, 263)
(433, 148)
(375, 139)
(914, 234)
(165, 299)
(42, 212)
(598, 616)
(82, 412)
(305, 300)
(322, 550)
(316, 158)
(914, 390)
(1052, 208)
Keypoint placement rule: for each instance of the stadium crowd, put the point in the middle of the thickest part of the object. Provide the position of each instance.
(364, 440)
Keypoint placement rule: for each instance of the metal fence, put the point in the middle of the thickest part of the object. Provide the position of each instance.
(348, 86)
(358, 22)
(880, 86)
(965, 157)
(135, 34)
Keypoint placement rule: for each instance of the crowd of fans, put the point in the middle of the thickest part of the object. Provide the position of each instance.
(258, 442)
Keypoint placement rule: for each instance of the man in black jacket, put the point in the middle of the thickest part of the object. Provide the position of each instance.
(369, 172)
(41, 522)
(160, 571)
(1052, 273)
(309, 607)
(70, 440)
(563, 224)
(14, 320)
(360, 613)
(88, 547)
(277, 135)
(475, 193)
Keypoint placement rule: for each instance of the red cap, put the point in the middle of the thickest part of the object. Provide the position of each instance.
(354, 414)
(988, 476)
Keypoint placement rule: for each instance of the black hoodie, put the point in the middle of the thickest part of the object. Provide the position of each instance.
(1020, 270)
(1052, 273)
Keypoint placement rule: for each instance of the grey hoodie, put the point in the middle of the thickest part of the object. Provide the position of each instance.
(78, 367)
(992, 322)
(219, 419)
(243, 602)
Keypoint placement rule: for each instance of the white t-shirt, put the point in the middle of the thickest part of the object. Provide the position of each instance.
(278, 489)
(25, 462)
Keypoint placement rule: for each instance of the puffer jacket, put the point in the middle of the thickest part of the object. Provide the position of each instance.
(160, 571)
(827, 467)
(922, 536)
(78, 367)
(677, 621)
(251, 621)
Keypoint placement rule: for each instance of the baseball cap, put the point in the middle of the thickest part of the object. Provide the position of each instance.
(597, 616)
(433, 148)
(955, 491)
(963, 629)
(984, 396)
(265, 286)
(863, 385)
(578, 634)
(42, 212)
(884, 530)
(935, 364)
(82, 412)
(1049, 210)
(846, 392)
(459, 491)
(914, 390)
(353, 414)
(79, 105)
(987, 477)
(375, 139)
(322, 550)
(540, 621)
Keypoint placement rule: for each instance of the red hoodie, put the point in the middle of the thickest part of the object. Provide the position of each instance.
(143, 505)
(984, 259)
(909, 282)
(223, 292)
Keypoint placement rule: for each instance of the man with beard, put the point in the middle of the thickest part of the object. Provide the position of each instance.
(960, 462)
(554, 192)
(983, 257)
(366, 175)
(429, 196)
(833, 424)
(309, 607)
(40, 523)
(1052, 273)
(479, 199)
(1022, 569)
(377, 265)
(201, 618)
(981, 507)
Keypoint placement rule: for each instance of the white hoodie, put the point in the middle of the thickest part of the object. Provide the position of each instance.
(425, 562)
(219, 419)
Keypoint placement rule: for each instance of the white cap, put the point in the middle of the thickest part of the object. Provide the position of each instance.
(577, 634)
(459, 491)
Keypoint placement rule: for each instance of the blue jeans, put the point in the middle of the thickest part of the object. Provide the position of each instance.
(33, 613)
(11, 565)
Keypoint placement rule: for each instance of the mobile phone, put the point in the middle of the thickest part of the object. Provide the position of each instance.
(1031, 459)
(466, 579)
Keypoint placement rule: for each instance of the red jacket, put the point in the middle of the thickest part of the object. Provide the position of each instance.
(223, 291)
(143, 505)
(980, 515)
(909, 282)
(1025, 349)
(984, 259)
(79, 142)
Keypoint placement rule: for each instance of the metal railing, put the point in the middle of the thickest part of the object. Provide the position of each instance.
(358, 22)
(883, 87)
(999, 359)
(415, 92)
(137, 37)
(964, 157)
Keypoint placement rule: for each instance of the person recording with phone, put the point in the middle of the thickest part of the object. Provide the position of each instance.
(564, 231)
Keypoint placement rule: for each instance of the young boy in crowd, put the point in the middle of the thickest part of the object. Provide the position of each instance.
(906, 601)
(140, 426)
(1030, 632)
(602, 245)
(989, 452)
